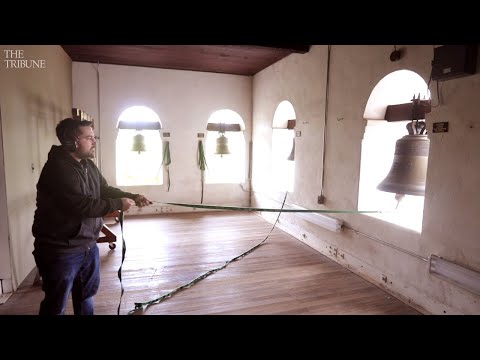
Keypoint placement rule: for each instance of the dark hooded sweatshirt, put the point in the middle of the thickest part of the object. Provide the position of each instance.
(72, 198)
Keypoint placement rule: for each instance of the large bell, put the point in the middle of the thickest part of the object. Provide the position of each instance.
(409, 169)
(291, 157)
(138, 143)
(222, 145)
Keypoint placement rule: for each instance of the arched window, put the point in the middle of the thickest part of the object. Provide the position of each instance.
(283, 147)
(225, 130)
(139, 147)
(378, 148)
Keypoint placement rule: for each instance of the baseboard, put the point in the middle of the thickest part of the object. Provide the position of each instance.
(4, 298)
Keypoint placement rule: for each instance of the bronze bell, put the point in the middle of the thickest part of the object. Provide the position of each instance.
(291, 157)
(409, 169)
(138, 143)
(222, 145)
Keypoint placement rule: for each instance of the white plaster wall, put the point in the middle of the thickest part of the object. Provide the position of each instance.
(5, 262)
(184, 100)
(32, 102)
(452, 199)
(301, 80)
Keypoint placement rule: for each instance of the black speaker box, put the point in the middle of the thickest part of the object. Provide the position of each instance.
(453, 61)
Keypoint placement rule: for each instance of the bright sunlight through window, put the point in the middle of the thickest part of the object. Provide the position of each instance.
(230, 168)
(378, 148)
(139, 167)
(283, 170)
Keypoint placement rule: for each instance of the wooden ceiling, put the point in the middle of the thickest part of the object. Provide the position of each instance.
(226, 59)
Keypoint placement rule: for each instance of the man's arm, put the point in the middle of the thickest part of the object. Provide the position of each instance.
(111, 192)
(65, 187)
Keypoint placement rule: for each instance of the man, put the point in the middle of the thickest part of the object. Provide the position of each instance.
(72, 198)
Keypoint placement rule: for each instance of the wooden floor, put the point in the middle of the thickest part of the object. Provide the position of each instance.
(283, 276)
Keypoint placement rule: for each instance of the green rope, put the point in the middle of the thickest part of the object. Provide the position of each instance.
(202, 165)
(124, 250)
(142, 306)
(167, 161)
(242, 208)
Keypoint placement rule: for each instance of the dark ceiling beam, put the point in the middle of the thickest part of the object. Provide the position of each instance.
(229, 59)
(301, 49)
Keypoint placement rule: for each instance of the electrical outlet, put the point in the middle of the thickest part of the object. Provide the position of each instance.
(298, 133)
(321, 199)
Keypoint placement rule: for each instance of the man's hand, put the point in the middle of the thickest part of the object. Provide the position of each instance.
(142, 201)
(126, 203)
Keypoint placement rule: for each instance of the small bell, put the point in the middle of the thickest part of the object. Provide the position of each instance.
(222, 145)
(291, 157)
(138, 143)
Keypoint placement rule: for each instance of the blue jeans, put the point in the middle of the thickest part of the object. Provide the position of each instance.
(61, 274)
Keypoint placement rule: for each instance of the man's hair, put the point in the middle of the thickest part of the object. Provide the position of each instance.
(68, 130)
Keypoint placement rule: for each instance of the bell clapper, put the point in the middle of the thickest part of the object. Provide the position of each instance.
(399, 197)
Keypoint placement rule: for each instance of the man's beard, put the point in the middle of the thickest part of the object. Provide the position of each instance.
(88, 155)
